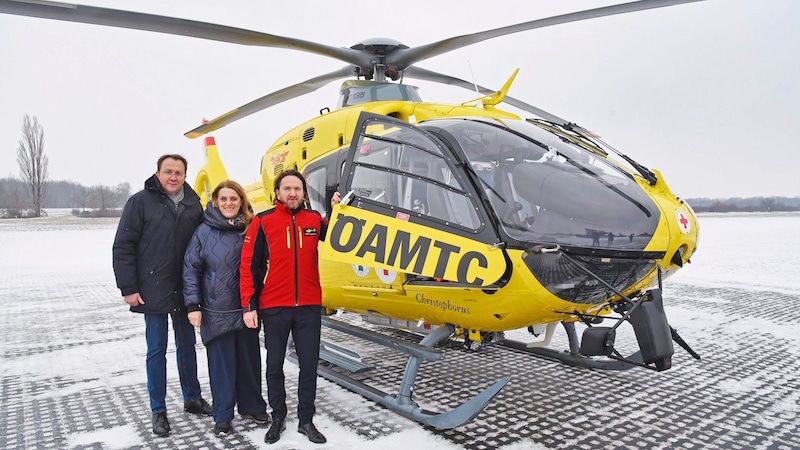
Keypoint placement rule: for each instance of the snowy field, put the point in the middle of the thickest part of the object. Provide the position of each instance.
(73, 361)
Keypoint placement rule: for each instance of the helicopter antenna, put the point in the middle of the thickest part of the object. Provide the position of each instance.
(474, 81)
(475, 84)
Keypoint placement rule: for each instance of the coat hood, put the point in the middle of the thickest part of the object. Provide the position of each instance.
(213, 218)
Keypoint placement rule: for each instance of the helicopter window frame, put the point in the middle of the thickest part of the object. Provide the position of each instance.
(411, 166)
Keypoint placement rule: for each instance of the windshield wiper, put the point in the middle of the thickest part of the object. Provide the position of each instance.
(646, 173)
(583, 133)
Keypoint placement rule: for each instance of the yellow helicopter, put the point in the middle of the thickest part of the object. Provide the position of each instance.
(462, 221)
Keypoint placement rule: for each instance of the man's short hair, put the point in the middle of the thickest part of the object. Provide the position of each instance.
(173, 156)
(287, 173)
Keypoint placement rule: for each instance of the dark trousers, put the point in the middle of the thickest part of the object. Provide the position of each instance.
(304, 323)
(156, 332)
(234, 372)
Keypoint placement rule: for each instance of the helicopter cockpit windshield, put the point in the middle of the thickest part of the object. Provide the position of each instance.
(545, 188)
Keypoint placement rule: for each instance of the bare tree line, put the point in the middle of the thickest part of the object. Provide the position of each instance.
(15, 198)
(33, 191)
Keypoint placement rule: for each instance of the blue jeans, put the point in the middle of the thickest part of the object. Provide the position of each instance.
(156, 331)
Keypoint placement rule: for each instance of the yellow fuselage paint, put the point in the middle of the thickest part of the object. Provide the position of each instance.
(519, 302)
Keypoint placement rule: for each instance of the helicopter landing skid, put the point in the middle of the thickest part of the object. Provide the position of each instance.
(402, 403)
(573, 356)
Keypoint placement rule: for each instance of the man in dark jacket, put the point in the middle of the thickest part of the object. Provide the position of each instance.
(282, 242)
(154, 230)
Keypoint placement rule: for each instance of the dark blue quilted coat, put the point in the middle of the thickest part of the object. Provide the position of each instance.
(211, 275)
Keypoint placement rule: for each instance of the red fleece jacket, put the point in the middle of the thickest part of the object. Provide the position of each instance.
(279, 259)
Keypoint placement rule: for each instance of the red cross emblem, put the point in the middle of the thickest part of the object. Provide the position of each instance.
(683, 221)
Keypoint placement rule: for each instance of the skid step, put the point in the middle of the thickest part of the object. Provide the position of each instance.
(421, 351)
(350, 369)
(343, 357)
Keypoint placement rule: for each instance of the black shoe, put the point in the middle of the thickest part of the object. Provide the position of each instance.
(274, 432)
(160, 424)
(198, 406)
(261, 418)
(313, 434)
(222, 428)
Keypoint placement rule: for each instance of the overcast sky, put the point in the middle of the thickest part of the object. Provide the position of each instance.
(707, 92)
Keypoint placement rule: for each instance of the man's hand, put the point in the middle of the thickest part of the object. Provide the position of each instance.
(133, 299)
(335, 199)
(251, 319)
(195, 318)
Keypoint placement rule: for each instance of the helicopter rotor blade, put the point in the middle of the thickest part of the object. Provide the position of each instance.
(361, 57)
(272, 99)
(428, 75)
(403, 58)
(170, 25)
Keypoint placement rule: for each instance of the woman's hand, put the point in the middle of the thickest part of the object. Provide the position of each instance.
(195, 318)
(251, 319)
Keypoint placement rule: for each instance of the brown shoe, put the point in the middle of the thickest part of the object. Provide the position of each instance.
(261, 418)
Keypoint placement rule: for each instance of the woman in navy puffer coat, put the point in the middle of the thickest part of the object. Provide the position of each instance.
(211, 294)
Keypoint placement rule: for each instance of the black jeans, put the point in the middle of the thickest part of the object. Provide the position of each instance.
(304, 322)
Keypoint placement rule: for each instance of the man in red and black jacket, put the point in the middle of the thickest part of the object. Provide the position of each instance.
(279, 284)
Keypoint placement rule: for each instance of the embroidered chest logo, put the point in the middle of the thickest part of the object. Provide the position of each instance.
(309, 231)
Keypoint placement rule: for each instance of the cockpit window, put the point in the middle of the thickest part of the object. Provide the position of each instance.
(544, 188)
(407, 171)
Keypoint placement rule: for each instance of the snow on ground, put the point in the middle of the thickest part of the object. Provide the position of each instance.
(67, 337)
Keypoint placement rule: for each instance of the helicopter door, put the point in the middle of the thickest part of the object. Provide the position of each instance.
(406, 207)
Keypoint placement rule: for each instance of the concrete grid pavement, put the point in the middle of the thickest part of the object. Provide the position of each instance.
(73, 368)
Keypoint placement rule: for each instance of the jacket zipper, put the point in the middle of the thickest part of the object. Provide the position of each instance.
(294, 250)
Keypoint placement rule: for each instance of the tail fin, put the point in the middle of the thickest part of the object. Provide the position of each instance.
(212, 173)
